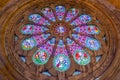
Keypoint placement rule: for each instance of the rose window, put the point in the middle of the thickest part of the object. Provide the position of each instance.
(60, 33)
(59, 40)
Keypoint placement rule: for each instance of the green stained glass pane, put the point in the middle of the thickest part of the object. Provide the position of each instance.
(40, 57)
(61, 62)
(28, 44)
(81, 57)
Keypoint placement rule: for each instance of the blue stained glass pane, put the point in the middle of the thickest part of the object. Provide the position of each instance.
(48, 13)
(46, 73)
(44, 29)
(45, 36)
(76, 73)
(28, 44)
(52, 41)
(38, 19)
(72, 13)
(16, 38)
(87, 29)
(77, 29)
(23, 58)
(98, 58)
(61, 43)
(85, 18)
(76, 36)
(69, 41)
(92, 44)
(60, 12)
(61, 62)
(35, 18)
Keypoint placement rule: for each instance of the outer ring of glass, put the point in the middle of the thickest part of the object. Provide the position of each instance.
(40, 63)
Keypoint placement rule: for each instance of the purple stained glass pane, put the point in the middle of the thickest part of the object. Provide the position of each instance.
(83, 19)
(61, 48)
(32, 29)
(39, 29)
(72, 13)
(41, 38)
(48, 13)
(87, 29)
(60, 12)
(77, 22)
(38, 19)
(48, 46)
(72, 46)
(88, 42)
(80, 39)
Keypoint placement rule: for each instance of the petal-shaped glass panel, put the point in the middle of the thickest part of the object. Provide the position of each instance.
(38, 19)
(87, 29)
(86, 41)
(60, 12)
(83, 19)
(40, 57)
(72, 46)
(80, 39)
(61, 48)
(48, 13)
(41, 38)
(48, 46)
(72, 13)
(81, 57)
(61, 62)
(32, 29)
(92, 44)
(27, 29)
(77, 22)
(28, 44)
(39, 29)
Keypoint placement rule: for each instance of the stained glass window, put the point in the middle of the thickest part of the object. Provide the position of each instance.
(60, 32)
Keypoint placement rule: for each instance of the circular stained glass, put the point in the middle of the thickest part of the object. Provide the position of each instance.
(93, 29)
(40, 57)
(81, 57)
(85, 18)
(61, 62)
(27, 29)
(28, 44)
(56, 28)
(92, 44)
(60, 31)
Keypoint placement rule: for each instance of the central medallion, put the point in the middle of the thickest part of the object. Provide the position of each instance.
(60, 29)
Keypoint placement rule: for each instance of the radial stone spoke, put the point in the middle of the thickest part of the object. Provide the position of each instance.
(29, 56)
